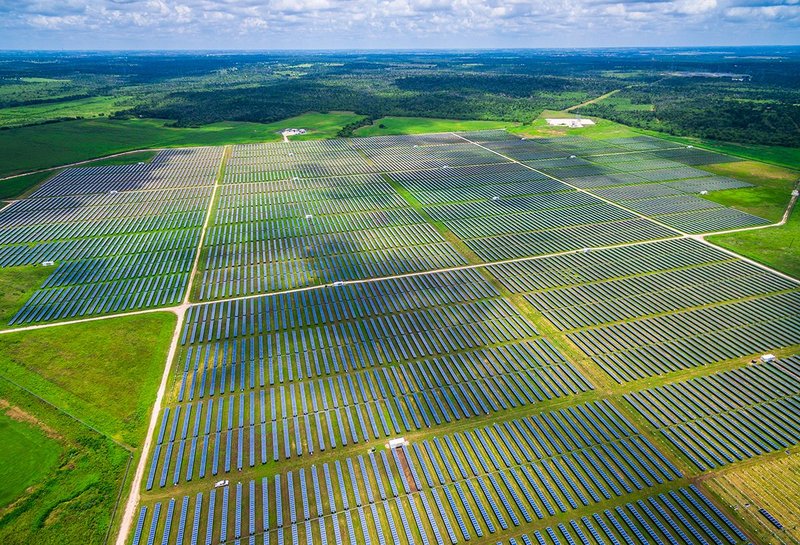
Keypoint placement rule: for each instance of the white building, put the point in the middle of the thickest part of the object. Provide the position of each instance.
(571, 122)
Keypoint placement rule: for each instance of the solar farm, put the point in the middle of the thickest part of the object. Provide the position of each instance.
(430, 339)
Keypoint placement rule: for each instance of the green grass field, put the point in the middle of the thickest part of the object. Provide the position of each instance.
(93, 382)
(416, 125)
(28, 454)
(16, 187)
(602, 128)
(319, 126)
(17, 284)
(771, 192)
(39, 113)
(30, 148)
(776, 247)
(68, 493)
(129, 159)
(625, 104)
(774, 484)
(23, 90)
(106, 371)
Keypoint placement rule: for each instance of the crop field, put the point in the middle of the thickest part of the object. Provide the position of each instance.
(431, 338)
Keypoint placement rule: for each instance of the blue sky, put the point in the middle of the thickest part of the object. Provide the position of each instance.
(387, 24)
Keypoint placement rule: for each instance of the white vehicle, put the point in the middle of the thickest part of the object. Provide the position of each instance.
(223, 482)
(338, 284)
(48, 263)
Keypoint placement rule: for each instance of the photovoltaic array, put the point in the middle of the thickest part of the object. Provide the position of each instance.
(649, 309)
(123, 237)
(403, 338)
(719, 419)
(300, 214)
(480, 481)
(272, 236)
(678, 517)
(282, 376)
(646, 175)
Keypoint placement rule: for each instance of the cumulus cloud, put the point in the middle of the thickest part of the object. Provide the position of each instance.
(392, 23)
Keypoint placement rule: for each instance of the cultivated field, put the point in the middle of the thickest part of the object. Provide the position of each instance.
(540, 320)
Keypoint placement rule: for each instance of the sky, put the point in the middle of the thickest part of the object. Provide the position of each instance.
(391, 24)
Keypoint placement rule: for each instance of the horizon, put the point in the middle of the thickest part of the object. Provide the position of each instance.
(403, 49)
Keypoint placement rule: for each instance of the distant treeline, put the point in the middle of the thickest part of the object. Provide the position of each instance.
(441, 96)
(731, 111)
(513, 85)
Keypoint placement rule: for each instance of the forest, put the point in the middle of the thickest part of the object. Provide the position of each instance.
(746, 95)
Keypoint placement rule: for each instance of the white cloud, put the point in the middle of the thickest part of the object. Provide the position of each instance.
(389, 23)
(692, 7)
